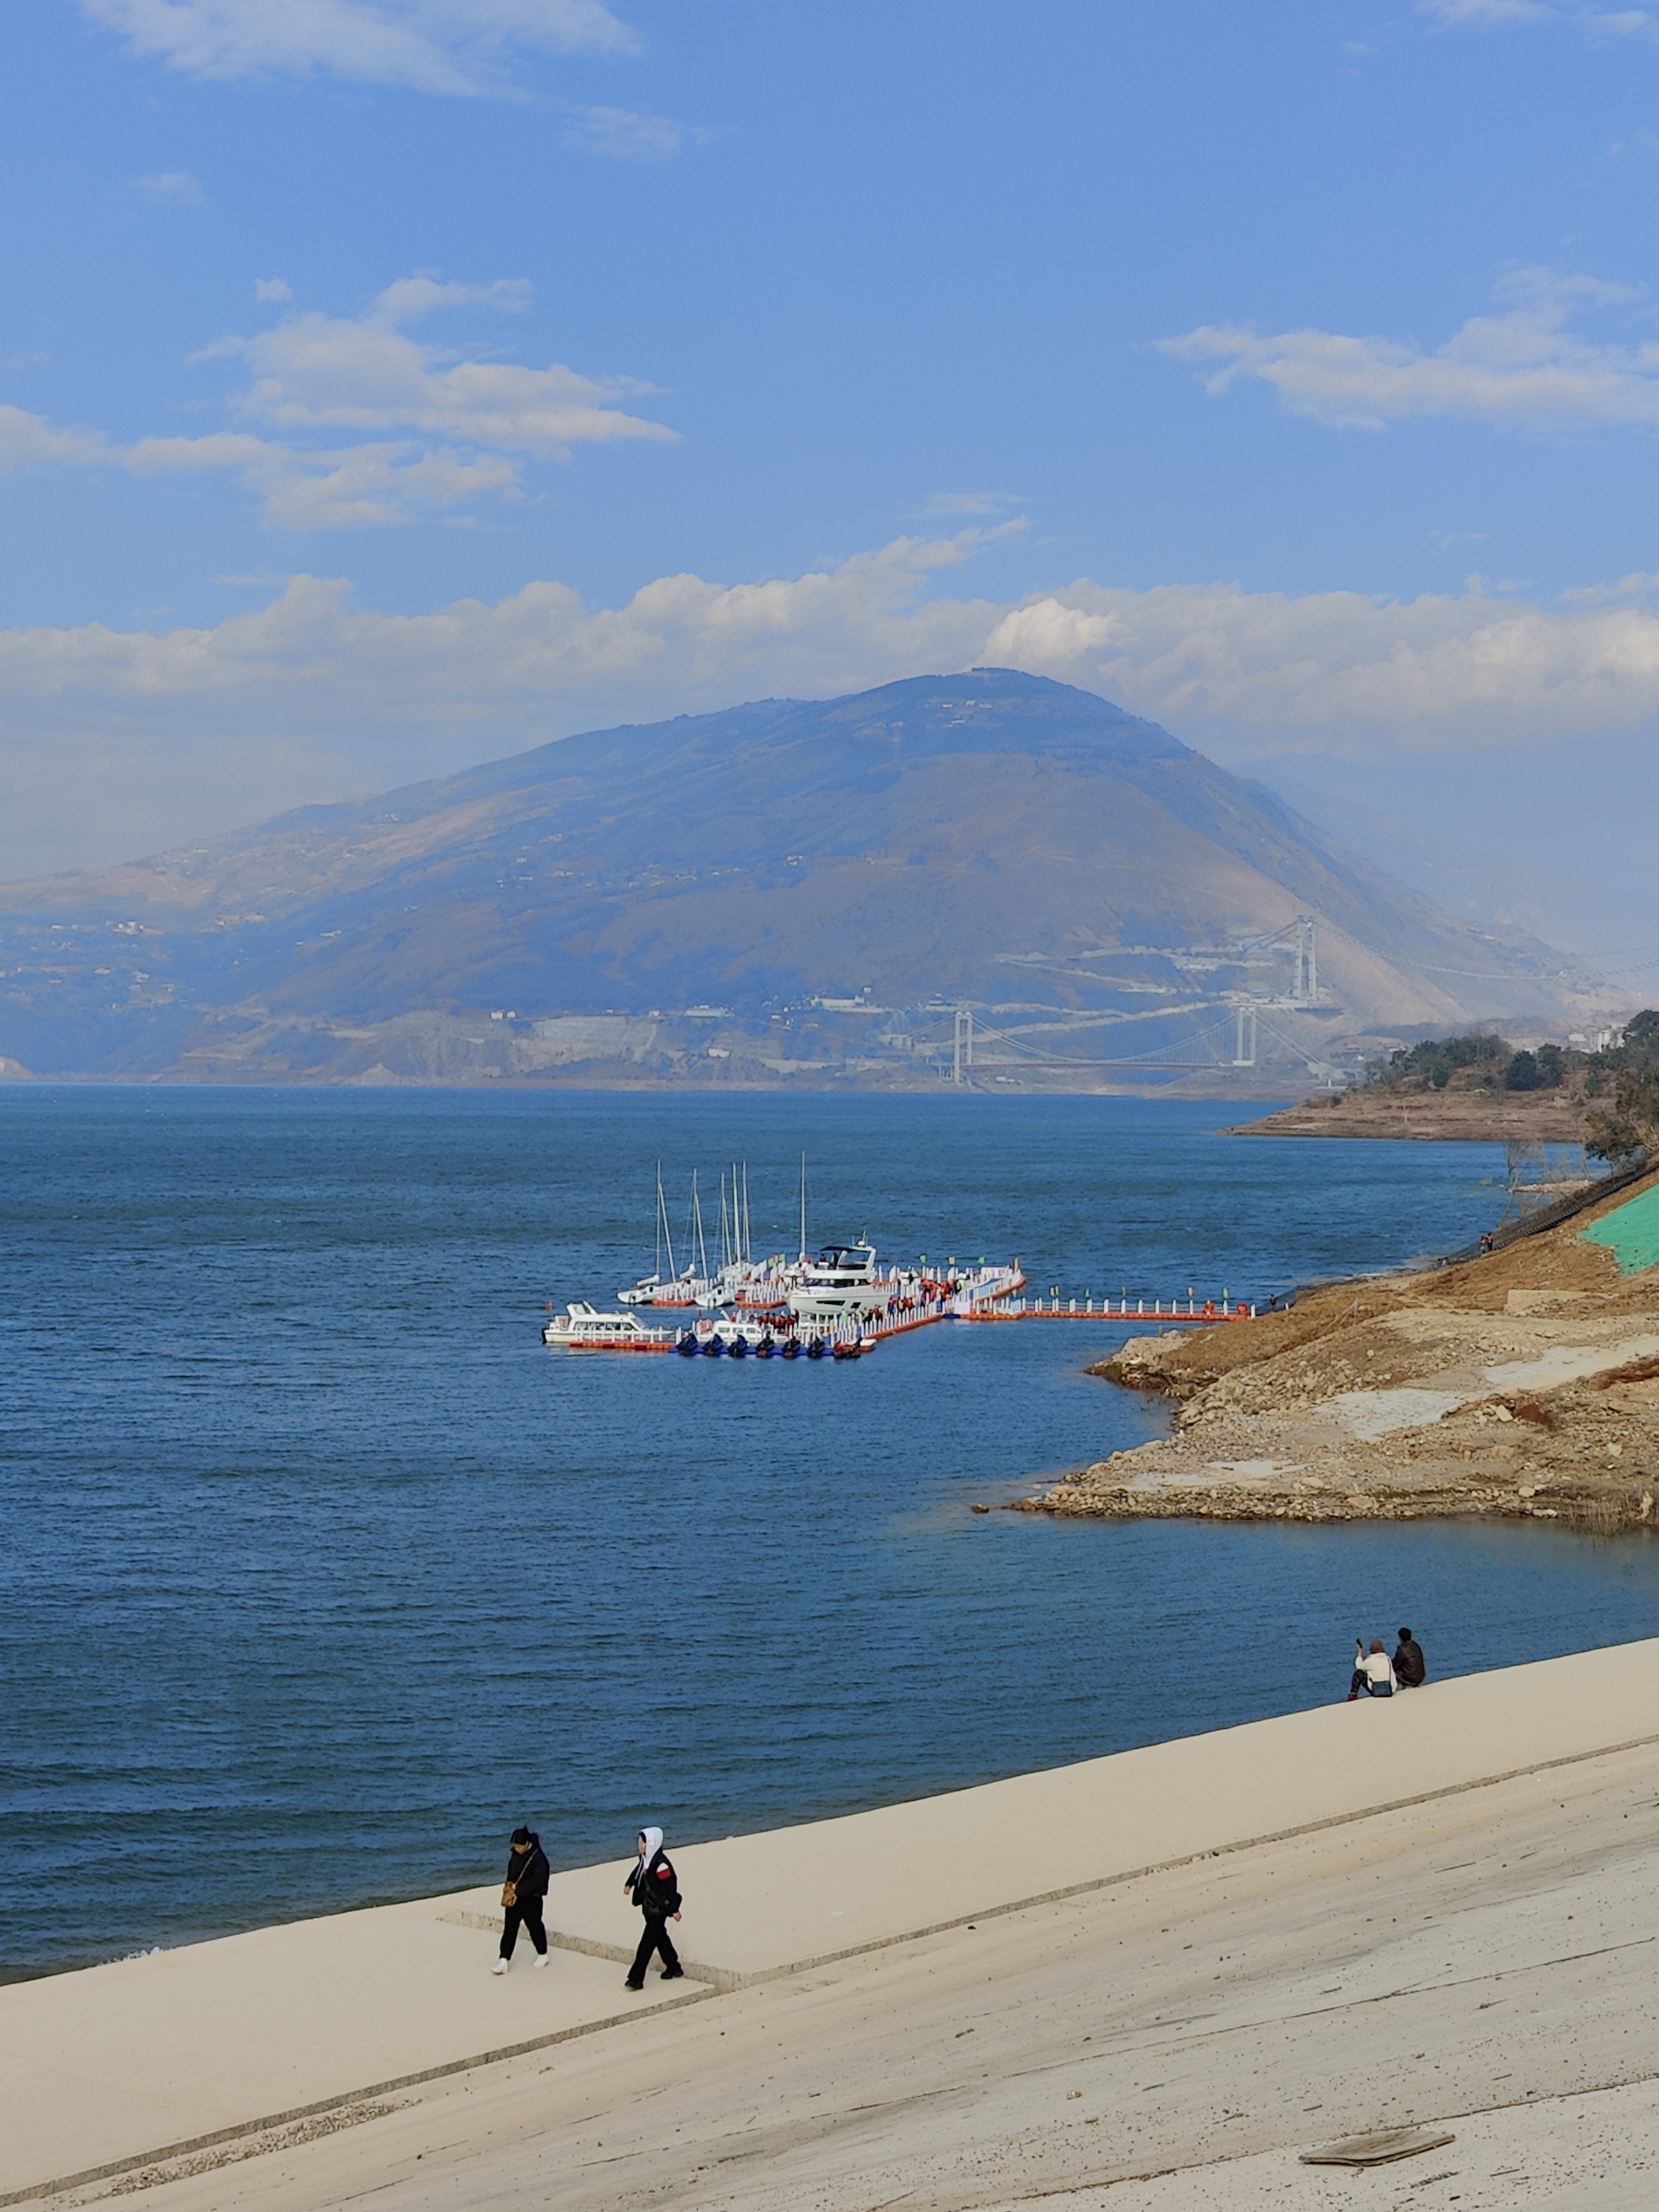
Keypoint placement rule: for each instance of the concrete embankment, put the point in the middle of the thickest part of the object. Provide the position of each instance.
(1203, 1953)
(1522, 1384)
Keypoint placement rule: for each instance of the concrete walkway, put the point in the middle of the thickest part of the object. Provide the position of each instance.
(177, 2049)
(798, 1897)
(109, 2068)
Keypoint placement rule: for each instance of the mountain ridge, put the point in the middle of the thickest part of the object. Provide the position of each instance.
(941, 840)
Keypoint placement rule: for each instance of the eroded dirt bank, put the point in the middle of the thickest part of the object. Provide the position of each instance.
(1525, 1384)
(1460, 1116)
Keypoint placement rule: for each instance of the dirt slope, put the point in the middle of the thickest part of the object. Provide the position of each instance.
(1523, 1383)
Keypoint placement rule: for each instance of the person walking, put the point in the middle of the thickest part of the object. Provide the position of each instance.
(654, 1888)
(1410, 1667)
(522, 1893)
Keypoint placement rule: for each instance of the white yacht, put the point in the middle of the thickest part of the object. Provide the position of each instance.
(583, 1327)
(841, 1285)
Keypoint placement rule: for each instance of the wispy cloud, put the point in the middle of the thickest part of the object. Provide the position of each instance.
(366, 373)
(360, 488)
(272, 291)
(443, 430)
(170, 188)
(1503, 14)
(28, 442)
(1486, 11)
(1523, 368)
(623, 136)
(945, 504)
(454, 47)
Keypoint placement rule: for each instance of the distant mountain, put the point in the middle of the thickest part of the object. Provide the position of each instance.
(787, 889)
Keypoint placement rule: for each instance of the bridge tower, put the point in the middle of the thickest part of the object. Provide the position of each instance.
(1304, 989)
(962, 1058)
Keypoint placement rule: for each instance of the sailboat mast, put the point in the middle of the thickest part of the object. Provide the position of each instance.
(803, 1209)
(665, 1233)
(696, 1217)
(748, 1240)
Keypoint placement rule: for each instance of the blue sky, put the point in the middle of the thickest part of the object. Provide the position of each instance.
(388, 384)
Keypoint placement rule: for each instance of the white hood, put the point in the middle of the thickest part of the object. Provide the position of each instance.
(652, 1844)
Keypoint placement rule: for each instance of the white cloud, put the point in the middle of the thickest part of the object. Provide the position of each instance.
(1442, 671)
(457, 48)
(623, 135)
(171, 188)
(1486, 11)
(26, 443)
(1499, 15)
(191, 728)
(326, 371)
(362, 487)
(475, 422)
(272, 290)
(1522, 369)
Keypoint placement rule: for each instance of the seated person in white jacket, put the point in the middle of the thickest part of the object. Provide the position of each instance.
(1374, 1668)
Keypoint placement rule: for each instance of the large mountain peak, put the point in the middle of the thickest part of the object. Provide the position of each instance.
(1088, 886)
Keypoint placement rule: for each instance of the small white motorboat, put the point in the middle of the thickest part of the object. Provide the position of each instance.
(583, 1327)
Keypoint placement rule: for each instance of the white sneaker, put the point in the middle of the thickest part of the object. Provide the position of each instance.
(500, 1965)
(541, 1958)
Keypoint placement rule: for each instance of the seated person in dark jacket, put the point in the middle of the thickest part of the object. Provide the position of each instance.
(654, 1888)
(1409, 1664)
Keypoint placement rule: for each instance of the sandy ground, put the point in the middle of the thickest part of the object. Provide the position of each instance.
(1525, 1383)
(1487, 1963)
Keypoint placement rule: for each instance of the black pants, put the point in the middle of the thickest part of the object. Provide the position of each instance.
(529, 1914)
(655, 1938)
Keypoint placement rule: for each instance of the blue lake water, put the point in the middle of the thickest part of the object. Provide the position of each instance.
(317, 1572)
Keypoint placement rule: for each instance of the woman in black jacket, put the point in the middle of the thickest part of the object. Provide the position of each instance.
(521, 1897)
(654, 1888)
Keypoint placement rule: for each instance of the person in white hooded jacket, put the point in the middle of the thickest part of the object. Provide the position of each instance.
(655, 1888)
(1375, 1668)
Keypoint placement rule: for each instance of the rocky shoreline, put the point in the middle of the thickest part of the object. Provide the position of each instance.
(1380, 1110)
(1523, 1385)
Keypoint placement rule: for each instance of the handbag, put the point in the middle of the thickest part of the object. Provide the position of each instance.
(509, 1894)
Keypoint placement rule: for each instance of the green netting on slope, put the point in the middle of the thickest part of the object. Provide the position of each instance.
(1630, 1232)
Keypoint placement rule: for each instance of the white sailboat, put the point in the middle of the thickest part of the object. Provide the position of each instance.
(656, 1288)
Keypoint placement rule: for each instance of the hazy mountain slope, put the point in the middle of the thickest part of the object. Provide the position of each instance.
(994, 838)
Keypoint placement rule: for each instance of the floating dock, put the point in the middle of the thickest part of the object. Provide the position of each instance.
(989, 1294)
(1168, 1313)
